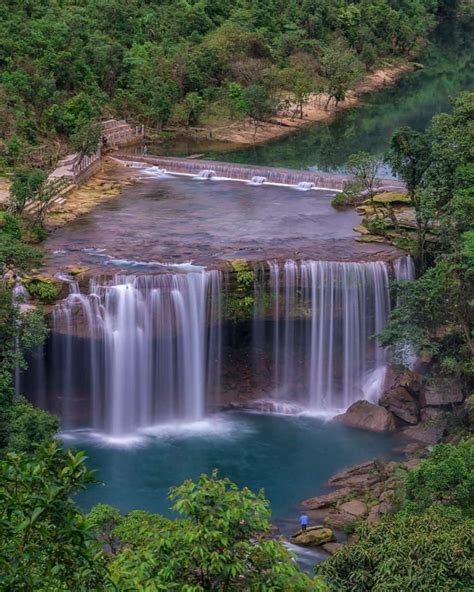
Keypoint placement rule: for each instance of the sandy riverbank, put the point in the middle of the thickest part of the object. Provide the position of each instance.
(243, 132)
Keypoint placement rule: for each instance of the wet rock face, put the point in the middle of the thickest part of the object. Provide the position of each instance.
(401, 403)
(313, 536)
(368, 416)
(441, 392)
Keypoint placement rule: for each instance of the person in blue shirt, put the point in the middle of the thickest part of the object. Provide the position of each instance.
(304, 520)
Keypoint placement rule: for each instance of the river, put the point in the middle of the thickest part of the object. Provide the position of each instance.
(412, 101)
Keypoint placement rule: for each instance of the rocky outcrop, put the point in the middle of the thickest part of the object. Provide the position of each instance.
(402, 404)
(410, 380)
(441, 392)
(377, 512)
(313, 536)
(331, 548)
(469, 412)
(359, 477)
(428, 432)
(368, 416)
(354, 508)
(340, 520)
(323, 501)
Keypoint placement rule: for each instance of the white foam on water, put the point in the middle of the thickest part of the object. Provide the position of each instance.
(212, 427)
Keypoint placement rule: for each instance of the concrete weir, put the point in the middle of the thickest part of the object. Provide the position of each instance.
(271, 175)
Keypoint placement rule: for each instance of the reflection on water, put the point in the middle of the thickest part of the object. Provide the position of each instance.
(412, 101)
(162, 222)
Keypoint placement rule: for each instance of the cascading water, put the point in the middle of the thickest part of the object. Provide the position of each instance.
(404, 268)
(141, 350)
(137, 351)
(305, 186)
(257, 180)
(205, 174)
(324, 315)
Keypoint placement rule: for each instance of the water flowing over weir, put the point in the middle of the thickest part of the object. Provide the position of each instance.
(137, 351)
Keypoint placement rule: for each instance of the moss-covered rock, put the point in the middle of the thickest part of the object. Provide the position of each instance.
(239, 299)
(313, 536)
(42, 287)
(77, 269)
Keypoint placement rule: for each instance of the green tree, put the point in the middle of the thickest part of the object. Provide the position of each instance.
(25, 186)
(219, 543)
(364, 168)
(193, 105)
(261, 104)
(46, 544)
(341, 69)
(300, 83)
(236, 95)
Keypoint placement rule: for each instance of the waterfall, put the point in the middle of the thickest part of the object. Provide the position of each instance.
(205, 174)
(324, 316)
(257, 180)
(137, 350)
(404, 268)
(305, 186)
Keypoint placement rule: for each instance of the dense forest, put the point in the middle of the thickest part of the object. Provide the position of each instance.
(65, 64)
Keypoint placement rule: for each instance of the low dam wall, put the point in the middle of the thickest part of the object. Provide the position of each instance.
(250, 173)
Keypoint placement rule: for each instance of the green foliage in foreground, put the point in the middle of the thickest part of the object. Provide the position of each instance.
(218, 543)
(427, 552)
(46, 544)
(446, 476)
(428, 544)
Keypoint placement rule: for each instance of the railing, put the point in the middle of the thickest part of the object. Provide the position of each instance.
(83, 167)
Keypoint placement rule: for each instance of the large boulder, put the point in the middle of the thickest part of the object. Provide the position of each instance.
(428, 432)
(359, 477)
(431, 414)
(441, 392)
(401, 403)
(367, 416)
(410, 380)
(323, 501)
(331, 548)
(354, 508)
(377, 512)
(313, 536)
(337, 519)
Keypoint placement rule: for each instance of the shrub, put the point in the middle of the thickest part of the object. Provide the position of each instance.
(446, 476)
(45, 290)
(29, 427)
(10, 226)
(14, 252)
(425, 553)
